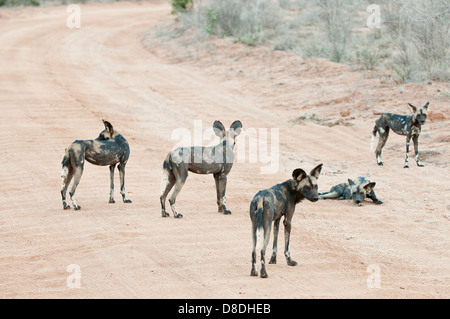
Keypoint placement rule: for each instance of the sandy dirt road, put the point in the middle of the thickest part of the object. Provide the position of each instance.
(57, 83)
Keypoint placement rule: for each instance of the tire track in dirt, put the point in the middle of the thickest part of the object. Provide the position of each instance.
(56, 84)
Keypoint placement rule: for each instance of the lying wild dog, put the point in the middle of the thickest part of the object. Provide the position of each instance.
(269, 205)
(409, 125)
(216, 160)
(109, 148)
(358, 190)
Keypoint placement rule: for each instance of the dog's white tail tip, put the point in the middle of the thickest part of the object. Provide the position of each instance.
(164, 180)
(64, 172)
(371, 142)
(259, 238)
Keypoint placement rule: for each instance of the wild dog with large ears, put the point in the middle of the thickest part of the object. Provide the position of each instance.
(356, 190)
(108, 149)
(280, 200)
(216, 160)
(409, 125)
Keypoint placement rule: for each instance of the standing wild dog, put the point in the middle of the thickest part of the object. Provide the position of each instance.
(269, 205)
(357, 190)
(409, 125)
(216, 160)
(109, 148)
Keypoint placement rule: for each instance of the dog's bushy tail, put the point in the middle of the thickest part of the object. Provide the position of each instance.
(65, 164)
(256, 212)
(167, 164)
(374, 134)
(256, 209)
(166, 172)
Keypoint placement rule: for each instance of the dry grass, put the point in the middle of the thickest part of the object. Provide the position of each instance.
(412, 44)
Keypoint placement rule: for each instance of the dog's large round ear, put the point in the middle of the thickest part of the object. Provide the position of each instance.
(235, 128)
(413, 107)
(350, 182)
(369, 187)
(108, 127)
(219, 129)
(298, 174)
(426, 105)
(316, 171)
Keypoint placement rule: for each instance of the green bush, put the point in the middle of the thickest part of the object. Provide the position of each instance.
(14, 3)
(212, 20)
(250, 22)
(181, 5)
(367, 58)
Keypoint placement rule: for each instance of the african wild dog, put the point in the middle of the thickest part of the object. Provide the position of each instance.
(409, 125)
(269, 205)
(357, 190)
(216, 160)
(109, 148)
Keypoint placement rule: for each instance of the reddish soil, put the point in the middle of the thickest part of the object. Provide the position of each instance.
(57, 84)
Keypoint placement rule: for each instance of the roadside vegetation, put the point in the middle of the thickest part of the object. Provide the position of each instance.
(14, 3)
(18, 3)
(411, 42)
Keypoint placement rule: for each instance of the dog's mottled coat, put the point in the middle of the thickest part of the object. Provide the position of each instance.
(216, 160)
(271, 204)
(409, 125)
(357, 190)
(108, 149)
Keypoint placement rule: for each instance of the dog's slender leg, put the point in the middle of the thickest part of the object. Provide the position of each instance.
(216, 180)
(416, 150)
(329, 195)
(121, 168)
(167, 182)
(408, 139)
(287, 234)
(267, 229)
(374, 198)
(111, 188)
(254, 272)
(77, 176)
(221, 184)
(267, 217)
(67, 177)
(379, 160)
(383, 136)
(178, 186)
(276, 228)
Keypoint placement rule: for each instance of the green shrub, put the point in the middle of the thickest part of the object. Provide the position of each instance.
(181, 5)
(212, 20)
(367, 58)
(402, 63)
(14, 3)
